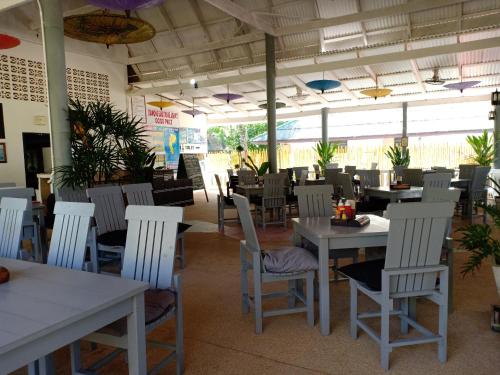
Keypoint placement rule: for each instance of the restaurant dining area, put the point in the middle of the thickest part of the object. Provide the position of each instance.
(235, 187)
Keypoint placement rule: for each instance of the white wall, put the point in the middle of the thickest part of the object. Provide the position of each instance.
(19, 115)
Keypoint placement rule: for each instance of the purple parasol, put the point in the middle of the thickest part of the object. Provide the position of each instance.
(228, 96)
(193, 112)
(125, 4)
(461, 85)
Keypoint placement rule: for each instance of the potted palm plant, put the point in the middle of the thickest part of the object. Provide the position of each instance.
(482, 244)
(483, 147)
(326, 151)
(260, 171)
(399, 159)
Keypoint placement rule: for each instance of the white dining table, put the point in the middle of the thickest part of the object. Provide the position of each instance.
(43, 308)
(327, 237)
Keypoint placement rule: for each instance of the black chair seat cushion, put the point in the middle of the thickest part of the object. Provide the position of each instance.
(119, 237)
(289, 260)
(367, 273)
(291, 198)
(228, 201)
(255, 199)
(157, 303)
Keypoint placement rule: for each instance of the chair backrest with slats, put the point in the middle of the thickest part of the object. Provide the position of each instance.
(69, 194)
(369, 177)
(314, 200)
(416, 233)
(11, 225)
(245, 216)
(246, 177)
(150, 248)
(24, 193)
(345, 180)
(465, 171)
(413, 176)
(316, 168)
(7, 184)
(332, 165)
(109, 208)
(436, 180)
(274, 185)
(300, 171)
(69, 234)
(351, 169)
(221, 192)
(332, 176)
(479, 178)
(139, 194)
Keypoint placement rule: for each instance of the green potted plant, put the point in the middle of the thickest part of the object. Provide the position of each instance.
(104, 141)
(399, 159)
(482, 244)
(483, 147)
(326, 151)
(239, 150)
(259, 170)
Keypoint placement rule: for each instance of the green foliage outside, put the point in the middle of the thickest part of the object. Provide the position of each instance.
(483, 147)
(325, 151)
(260, 171)
(228, 138)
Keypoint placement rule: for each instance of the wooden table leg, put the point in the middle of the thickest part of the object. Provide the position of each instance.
(324, 288)
(136, 337)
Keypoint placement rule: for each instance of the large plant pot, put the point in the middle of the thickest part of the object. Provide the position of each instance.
(496, 274)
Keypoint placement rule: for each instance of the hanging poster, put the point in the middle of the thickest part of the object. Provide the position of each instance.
(171, 147)
(138, 108)
(193, 141)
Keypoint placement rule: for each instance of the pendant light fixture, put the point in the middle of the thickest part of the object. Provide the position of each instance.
(228, 96)
(376, 92)
(323, 84)
(160, 103)
(461, 85)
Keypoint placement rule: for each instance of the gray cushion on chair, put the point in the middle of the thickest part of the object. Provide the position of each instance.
(289, 259)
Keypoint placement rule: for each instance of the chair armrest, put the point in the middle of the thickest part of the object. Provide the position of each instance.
(177, 282)
(413, 270)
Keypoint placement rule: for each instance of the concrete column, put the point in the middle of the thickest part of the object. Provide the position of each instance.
(51, 15)
(496, 134)
(271, 103)
(324, 125)
(405, 123)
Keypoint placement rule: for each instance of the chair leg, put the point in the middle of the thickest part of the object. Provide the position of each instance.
(75, 357)
(180, 249)
(179, 334)
(310, 298)
(354, 309)
(245, 304)
(404, 310)
(257, 282)
(443, 317)
(384, 336)
(292, 290)
(283, 210)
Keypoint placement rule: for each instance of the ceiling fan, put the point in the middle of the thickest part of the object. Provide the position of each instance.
(435, 80)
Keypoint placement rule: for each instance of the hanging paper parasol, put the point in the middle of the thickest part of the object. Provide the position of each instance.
(278, 105)
(228, 96)
(323, 84)
(7, 41)
(125, 4)
(461, 85)
(193, 112)
(108, 29)
(376, 92)
(160, 104)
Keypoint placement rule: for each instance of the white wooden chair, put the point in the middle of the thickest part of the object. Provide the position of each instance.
(433, 181)
(149, 257)
(465, 171)
(11, 226)
(410, 270)
(368, 177)
(7, 184)
(476, 191)
(373, 165)
(69, 236)
(246, 177)
(273, 199)
(223, 203)
(142, 195)
(351, 169)
(332, 166)
(110, 220)
(332, 178)
(271, 266)
(345, 181)
(31, 227)
(413, 176)
(299, 172)
(69, 194)
(316, 201)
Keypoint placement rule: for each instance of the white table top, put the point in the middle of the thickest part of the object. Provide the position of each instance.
(40, 299)
(388, 189)
(322, 228)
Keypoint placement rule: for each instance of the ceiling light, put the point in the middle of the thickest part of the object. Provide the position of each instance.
(435, 80)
